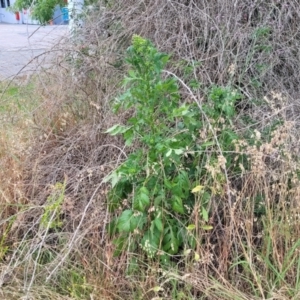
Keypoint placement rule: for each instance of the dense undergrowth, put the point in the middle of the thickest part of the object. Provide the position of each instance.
(158, 159)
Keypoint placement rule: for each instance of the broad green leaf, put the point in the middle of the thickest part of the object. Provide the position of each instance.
(144, 190)
(206, 196)
(197, 189)
(123, 129)
(116, 129)
(113, 178)
(204, 214)
(182, 181)
(158, 200)
(124, 221)
(112, 129)
(143, 201)
(169, 153)
(180, 125)
(191, 227)
(128, 136)
(207, 227)
(178, 151)
(181, 111)
(177, 205)
(178, 190)
(170, 240)
(158, 223)
(150, 242)
(137, 221)
(168, 184)
(132, 73)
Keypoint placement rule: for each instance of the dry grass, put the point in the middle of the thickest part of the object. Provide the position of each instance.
(252, 251)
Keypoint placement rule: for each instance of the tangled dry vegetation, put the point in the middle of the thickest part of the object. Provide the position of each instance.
(53, 159)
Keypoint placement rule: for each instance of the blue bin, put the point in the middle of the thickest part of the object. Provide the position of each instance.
(65, 14)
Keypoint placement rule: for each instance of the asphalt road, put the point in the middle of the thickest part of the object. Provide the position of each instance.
(27, 48)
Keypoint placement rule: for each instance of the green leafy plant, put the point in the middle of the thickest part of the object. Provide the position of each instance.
(42, 10)
(155, 186)
(73, 282)
(51, 218)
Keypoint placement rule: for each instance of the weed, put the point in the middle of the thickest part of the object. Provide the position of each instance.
(51, 218)
(73, 283)
(154, 187)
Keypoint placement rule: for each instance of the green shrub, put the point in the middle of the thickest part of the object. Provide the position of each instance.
(170, 171)
(42, 10)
